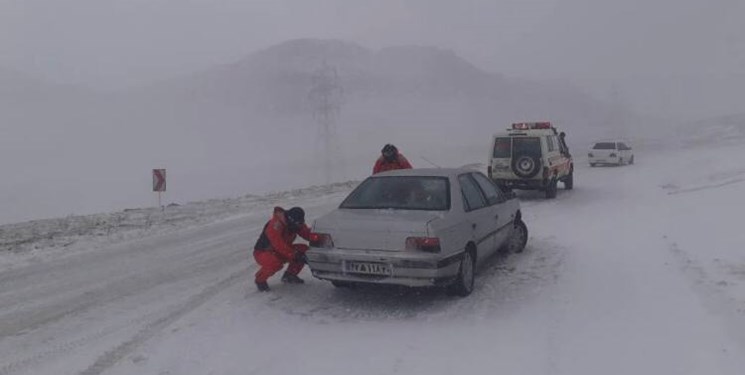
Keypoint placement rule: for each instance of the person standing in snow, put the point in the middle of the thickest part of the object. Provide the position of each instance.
(275, 247)
(390, 159)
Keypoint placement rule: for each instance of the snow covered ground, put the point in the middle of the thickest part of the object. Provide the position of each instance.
(640, 269)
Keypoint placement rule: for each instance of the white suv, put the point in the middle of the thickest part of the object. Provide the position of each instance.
(531, 156)
(610, 152)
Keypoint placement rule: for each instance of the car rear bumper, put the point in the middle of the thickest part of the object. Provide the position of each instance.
(522, 184)
(407, 268)
(608, 160)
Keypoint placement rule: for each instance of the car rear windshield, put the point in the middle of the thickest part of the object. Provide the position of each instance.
(401, 193)
(526, 145)
(604, 146)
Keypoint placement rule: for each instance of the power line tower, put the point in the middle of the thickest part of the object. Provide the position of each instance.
(326, 97)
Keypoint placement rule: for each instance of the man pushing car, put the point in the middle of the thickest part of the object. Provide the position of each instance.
(275, 247)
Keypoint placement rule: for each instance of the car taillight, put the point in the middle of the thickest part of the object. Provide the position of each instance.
(321, 240)
(590, 154)
(613, 155)
(428, 244)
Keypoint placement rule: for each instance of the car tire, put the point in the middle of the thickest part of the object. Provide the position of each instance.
(569, 181)
(463, 284)
(519, 237)
(551, 189)
(526, 166)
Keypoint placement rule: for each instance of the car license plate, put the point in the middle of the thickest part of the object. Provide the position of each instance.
(368, 268)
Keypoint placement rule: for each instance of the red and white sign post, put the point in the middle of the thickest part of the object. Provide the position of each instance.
(159, 183)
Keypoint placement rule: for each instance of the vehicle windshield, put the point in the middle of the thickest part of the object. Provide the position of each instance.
(401, 193)
(526, 145)
(502, 147)
(604, 146)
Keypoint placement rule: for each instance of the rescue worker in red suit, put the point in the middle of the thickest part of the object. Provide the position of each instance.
(275, 247)
(390, 160)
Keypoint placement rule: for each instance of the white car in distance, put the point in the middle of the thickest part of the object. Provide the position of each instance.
(610, 153)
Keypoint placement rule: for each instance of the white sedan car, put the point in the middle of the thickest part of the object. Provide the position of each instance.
(610, 152)
(416, 227)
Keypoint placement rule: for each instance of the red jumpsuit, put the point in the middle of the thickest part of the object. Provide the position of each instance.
(381, 165)
(275, 247)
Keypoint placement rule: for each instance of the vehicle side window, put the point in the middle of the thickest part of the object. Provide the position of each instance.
(492, 194)
(471, 193)
(622, 146)
(550, 143)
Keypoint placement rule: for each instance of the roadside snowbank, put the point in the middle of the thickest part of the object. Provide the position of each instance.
(33, 240)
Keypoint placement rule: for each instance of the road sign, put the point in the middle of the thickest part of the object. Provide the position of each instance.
(159, 180)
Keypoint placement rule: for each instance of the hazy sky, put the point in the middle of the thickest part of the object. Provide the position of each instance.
(673, 57)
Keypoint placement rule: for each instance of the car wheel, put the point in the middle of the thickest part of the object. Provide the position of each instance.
(526, 166)
(519, 237)
(551, 189)
(569, 181)
(463, 284)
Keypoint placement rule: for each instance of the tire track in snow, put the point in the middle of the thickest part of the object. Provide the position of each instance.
(24, 321)
(712, 297)
(66, 347)
(113, 356)
(705, 187)
(111, 292)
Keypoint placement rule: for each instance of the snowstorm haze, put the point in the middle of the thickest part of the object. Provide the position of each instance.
(94, 94)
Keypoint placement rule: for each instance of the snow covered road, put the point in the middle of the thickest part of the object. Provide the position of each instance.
(637, 270)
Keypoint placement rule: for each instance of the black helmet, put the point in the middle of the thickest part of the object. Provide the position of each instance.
(389, 152)
(295, 217)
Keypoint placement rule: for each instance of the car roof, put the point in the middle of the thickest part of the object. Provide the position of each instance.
(426, 172)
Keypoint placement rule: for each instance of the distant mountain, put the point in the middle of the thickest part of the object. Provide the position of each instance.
(276, 81)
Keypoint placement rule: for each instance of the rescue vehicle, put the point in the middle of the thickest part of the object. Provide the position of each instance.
(531, 156)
